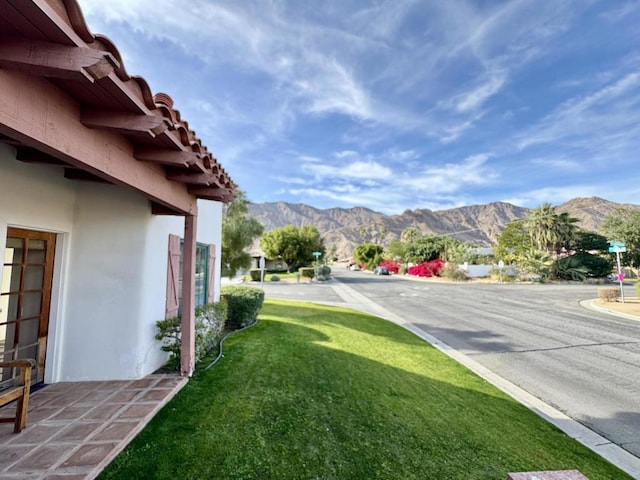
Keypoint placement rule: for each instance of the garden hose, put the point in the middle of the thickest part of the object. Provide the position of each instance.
(222, 341)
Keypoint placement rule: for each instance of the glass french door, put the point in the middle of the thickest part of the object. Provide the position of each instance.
(25, 297)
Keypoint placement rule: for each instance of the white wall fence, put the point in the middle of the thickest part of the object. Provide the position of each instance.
(479, 271)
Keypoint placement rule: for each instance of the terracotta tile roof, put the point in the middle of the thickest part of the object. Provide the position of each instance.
(92, 73)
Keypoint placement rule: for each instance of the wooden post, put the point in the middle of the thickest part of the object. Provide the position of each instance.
(187, 352)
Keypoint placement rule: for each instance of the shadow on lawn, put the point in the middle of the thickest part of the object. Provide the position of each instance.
(297, 398)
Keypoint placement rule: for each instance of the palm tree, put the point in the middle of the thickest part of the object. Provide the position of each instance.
(566, 230)
(550, 231)
(541, 224)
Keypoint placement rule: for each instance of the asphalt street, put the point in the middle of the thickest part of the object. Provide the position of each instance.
(538, 337)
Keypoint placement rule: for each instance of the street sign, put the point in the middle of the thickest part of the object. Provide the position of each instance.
(317, 254)
(617, 243)
(617, 249)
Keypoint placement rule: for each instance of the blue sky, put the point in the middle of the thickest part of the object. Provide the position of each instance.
(399, 104)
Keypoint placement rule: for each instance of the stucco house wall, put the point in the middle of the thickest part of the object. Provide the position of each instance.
(110, 273)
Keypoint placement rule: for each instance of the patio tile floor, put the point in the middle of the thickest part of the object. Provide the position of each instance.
(75, 429)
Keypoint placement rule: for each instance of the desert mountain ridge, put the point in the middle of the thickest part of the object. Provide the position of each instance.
(479, 225)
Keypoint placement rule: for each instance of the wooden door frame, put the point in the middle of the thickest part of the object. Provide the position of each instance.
(47, 283)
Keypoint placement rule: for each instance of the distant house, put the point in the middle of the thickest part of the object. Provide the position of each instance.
(110, 205)
(270, 264)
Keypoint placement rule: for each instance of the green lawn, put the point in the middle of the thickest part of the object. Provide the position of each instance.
(315, 392)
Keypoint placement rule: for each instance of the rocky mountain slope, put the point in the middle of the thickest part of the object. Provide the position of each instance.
(476, 224)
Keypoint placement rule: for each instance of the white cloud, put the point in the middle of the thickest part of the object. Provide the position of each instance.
(613, 109)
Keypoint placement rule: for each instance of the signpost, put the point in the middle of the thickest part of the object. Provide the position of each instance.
(317, 255)
(618, 248)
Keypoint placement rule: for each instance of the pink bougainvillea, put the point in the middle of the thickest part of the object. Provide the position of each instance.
(427, 269)
(391, 265)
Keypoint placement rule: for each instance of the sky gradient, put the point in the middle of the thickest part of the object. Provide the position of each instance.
(396, 105)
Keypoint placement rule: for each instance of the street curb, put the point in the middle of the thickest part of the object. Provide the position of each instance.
(590, 305)
(592, 440)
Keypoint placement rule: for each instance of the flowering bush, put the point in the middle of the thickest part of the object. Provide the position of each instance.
(427, 269)
(391, 265)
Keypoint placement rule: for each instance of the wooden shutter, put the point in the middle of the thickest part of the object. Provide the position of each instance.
(173, 277)
(211, 274)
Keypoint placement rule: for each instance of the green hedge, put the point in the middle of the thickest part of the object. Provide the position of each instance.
(255, 274)
(243, 304)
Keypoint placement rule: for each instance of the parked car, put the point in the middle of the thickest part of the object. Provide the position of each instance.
(381, 271)
(355, 267)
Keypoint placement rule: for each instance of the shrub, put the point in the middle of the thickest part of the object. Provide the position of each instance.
(210, 321)
(324, 270)
(324, 273)
(244, 303)
(427, 269)
(452, 272)
(580, 266)
(209, 324)
(256, 274)
(609, 294)
(307, 272)
(275, 278)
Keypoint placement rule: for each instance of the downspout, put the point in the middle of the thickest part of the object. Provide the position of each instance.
(187, 351)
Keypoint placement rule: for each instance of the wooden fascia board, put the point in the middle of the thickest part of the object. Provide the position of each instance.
(54, 60)
(176, 158)
(124, 122)
(41, 116)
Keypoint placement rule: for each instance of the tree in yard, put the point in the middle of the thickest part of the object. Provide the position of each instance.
(368, 254)
(239, 230)
(396, 250)
(294, 245)
(624, 225)
(410, 235)
(425, 248)
(513, 242)
(550, 231)
(586, 241)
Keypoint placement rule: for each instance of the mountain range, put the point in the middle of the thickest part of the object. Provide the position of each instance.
(344, 228)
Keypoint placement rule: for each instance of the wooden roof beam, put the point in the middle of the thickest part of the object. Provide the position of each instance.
(203, 179)
(123, 122)
(54, 60)
(174, 158)
(217, 194)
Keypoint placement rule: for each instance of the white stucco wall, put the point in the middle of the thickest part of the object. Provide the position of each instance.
(110, 272)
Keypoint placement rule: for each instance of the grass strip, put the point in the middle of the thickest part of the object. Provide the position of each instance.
(317, 392)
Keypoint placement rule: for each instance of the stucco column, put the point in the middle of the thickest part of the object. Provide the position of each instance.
(187, 352)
